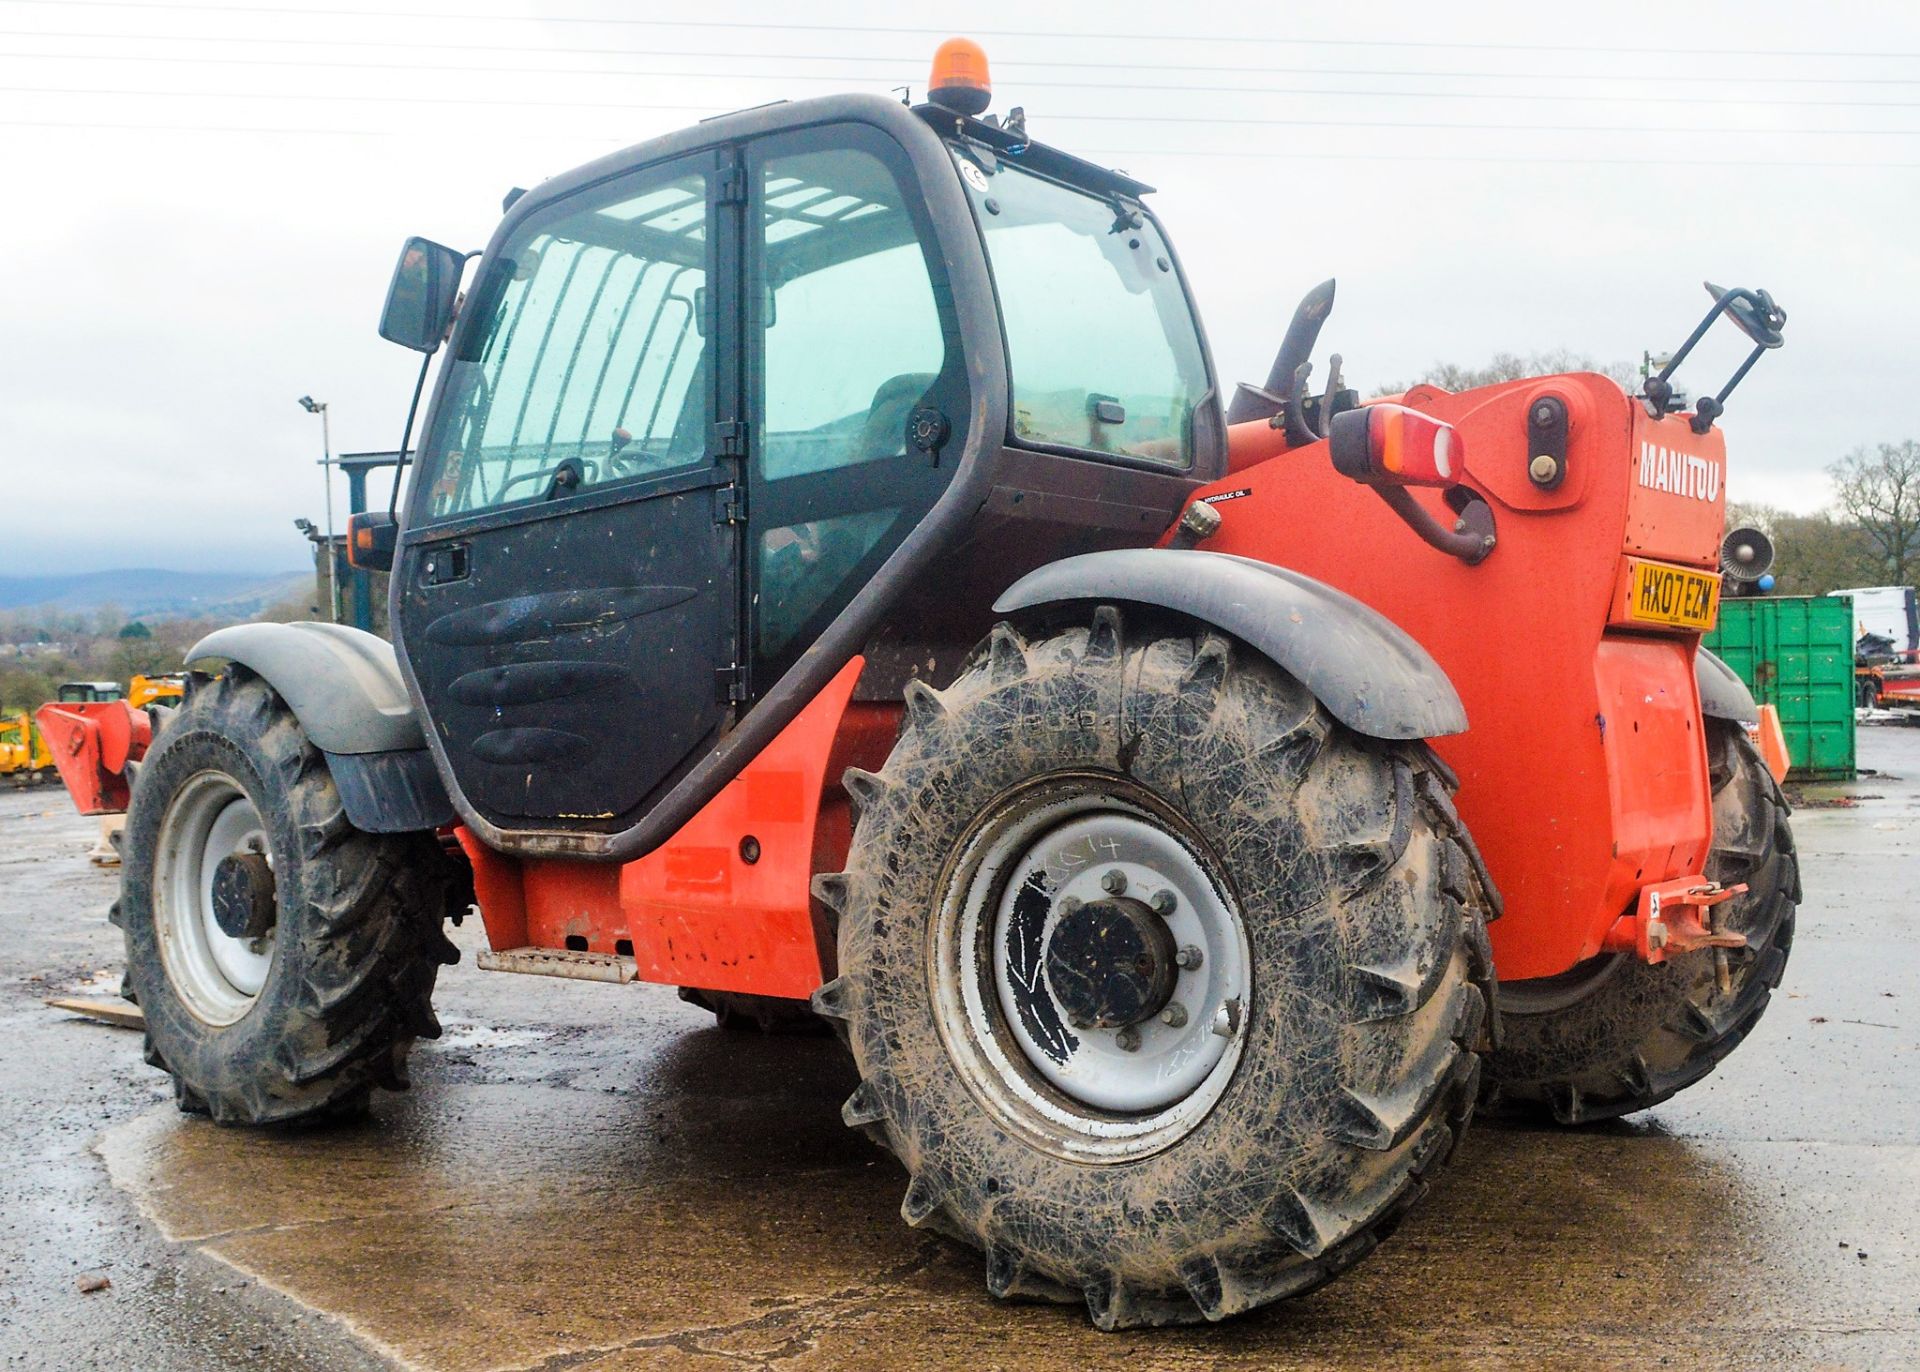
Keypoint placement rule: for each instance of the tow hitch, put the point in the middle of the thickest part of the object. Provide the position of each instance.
(1671, 917)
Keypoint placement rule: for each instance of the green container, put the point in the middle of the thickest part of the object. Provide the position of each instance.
(1796, 654)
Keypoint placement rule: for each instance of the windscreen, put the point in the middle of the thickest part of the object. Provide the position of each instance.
(1101, 342)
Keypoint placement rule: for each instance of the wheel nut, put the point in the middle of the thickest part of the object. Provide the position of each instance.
(1174, 1016)
(1188, 958)
(1114, 882)
(1163, 904)
(1068, 904)
(1128, 1039)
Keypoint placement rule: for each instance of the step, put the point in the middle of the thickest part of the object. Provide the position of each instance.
(559, 962)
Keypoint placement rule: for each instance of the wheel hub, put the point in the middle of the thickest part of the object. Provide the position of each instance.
(215, 912)
(1094, 972)
(242, 895)
(1111, 963)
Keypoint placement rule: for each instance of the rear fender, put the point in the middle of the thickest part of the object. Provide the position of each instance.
(1723, 695)
(1369, 673)
(344, 687)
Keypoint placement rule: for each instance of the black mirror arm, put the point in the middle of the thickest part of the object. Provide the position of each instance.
(406, 435)
(1471, 538)
(1755, 315)
(1709, 408)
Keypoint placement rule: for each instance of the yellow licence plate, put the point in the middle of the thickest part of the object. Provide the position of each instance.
(1660, 594)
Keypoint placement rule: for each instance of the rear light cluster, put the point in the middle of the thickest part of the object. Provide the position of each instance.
(1391, 445)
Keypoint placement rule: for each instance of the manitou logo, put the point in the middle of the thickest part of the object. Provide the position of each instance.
(1663, 469)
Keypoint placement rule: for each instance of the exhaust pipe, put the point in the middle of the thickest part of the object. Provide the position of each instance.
(1286, 382)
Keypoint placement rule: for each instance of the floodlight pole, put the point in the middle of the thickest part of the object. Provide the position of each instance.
(319, 407)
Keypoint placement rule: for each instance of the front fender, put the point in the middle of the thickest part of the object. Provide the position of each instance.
(1369, 673)
(344, 687)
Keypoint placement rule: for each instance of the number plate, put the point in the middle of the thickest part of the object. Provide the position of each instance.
(1658, 594)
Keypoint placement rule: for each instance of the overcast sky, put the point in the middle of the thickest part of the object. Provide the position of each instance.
(204, 202)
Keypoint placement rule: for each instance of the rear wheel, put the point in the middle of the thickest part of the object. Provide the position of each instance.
(1619, 1035)
(742, 1012)
(1164, 987)
(284, 960)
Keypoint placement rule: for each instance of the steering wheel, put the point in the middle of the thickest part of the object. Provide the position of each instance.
(1753, 313)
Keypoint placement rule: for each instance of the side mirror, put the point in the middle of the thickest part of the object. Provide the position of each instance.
(371, 540)
(420, 300)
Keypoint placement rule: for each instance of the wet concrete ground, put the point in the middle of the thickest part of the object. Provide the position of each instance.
(593, 1177)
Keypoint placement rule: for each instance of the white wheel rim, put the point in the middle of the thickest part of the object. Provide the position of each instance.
(217, 977)
(1079, 1092)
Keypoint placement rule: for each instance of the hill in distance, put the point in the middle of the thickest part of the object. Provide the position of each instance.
(155, 593)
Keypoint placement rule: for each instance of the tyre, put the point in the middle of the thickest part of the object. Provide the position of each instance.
(1164, 987)
(284, 960)
(1866, 695)
(1618, 1035)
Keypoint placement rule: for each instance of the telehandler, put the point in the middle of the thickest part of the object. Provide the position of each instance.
(831, 575)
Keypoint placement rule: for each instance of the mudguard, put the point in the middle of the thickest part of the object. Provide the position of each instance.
(1369, 673)
(1723, 695)
(344, 687)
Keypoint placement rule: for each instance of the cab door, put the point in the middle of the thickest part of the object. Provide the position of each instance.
(857, 381)
(569, 591)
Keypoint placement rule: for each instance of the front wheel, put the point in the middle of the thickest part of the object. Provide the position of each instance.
(1164, 986)
(284, 960)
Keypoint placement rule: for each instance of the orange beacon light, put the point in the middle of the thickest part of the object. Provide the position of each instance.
(959, 81)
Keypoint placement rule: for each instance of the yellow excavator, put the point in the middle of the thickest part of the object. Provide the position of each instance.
(169, 688)
(24, 757)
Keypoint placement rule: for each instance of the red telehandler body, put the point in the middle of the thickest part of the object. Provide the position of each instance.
(832, 584)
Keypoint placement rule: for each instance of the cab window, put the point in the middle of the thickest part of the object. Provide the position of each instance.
(852, 341)
(1102, 346)
(591, 363)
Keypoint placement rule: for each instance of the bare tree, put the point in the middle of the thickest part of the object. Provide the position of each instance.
(1880, 491)
(1500, 367)
(1814, 553)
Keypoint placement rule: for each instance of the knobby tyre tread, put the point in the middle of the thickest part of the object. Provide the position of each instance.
(359, 941)
(1366, 907)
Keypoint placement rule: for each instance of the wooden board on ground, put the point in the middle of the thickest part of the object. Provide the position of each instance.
(121, 1014)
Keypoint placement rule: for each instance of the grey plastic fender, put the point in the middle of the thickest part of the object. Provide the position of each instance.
(342, 684)
(344, 687)
(1369, 673)
(1723, 695)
